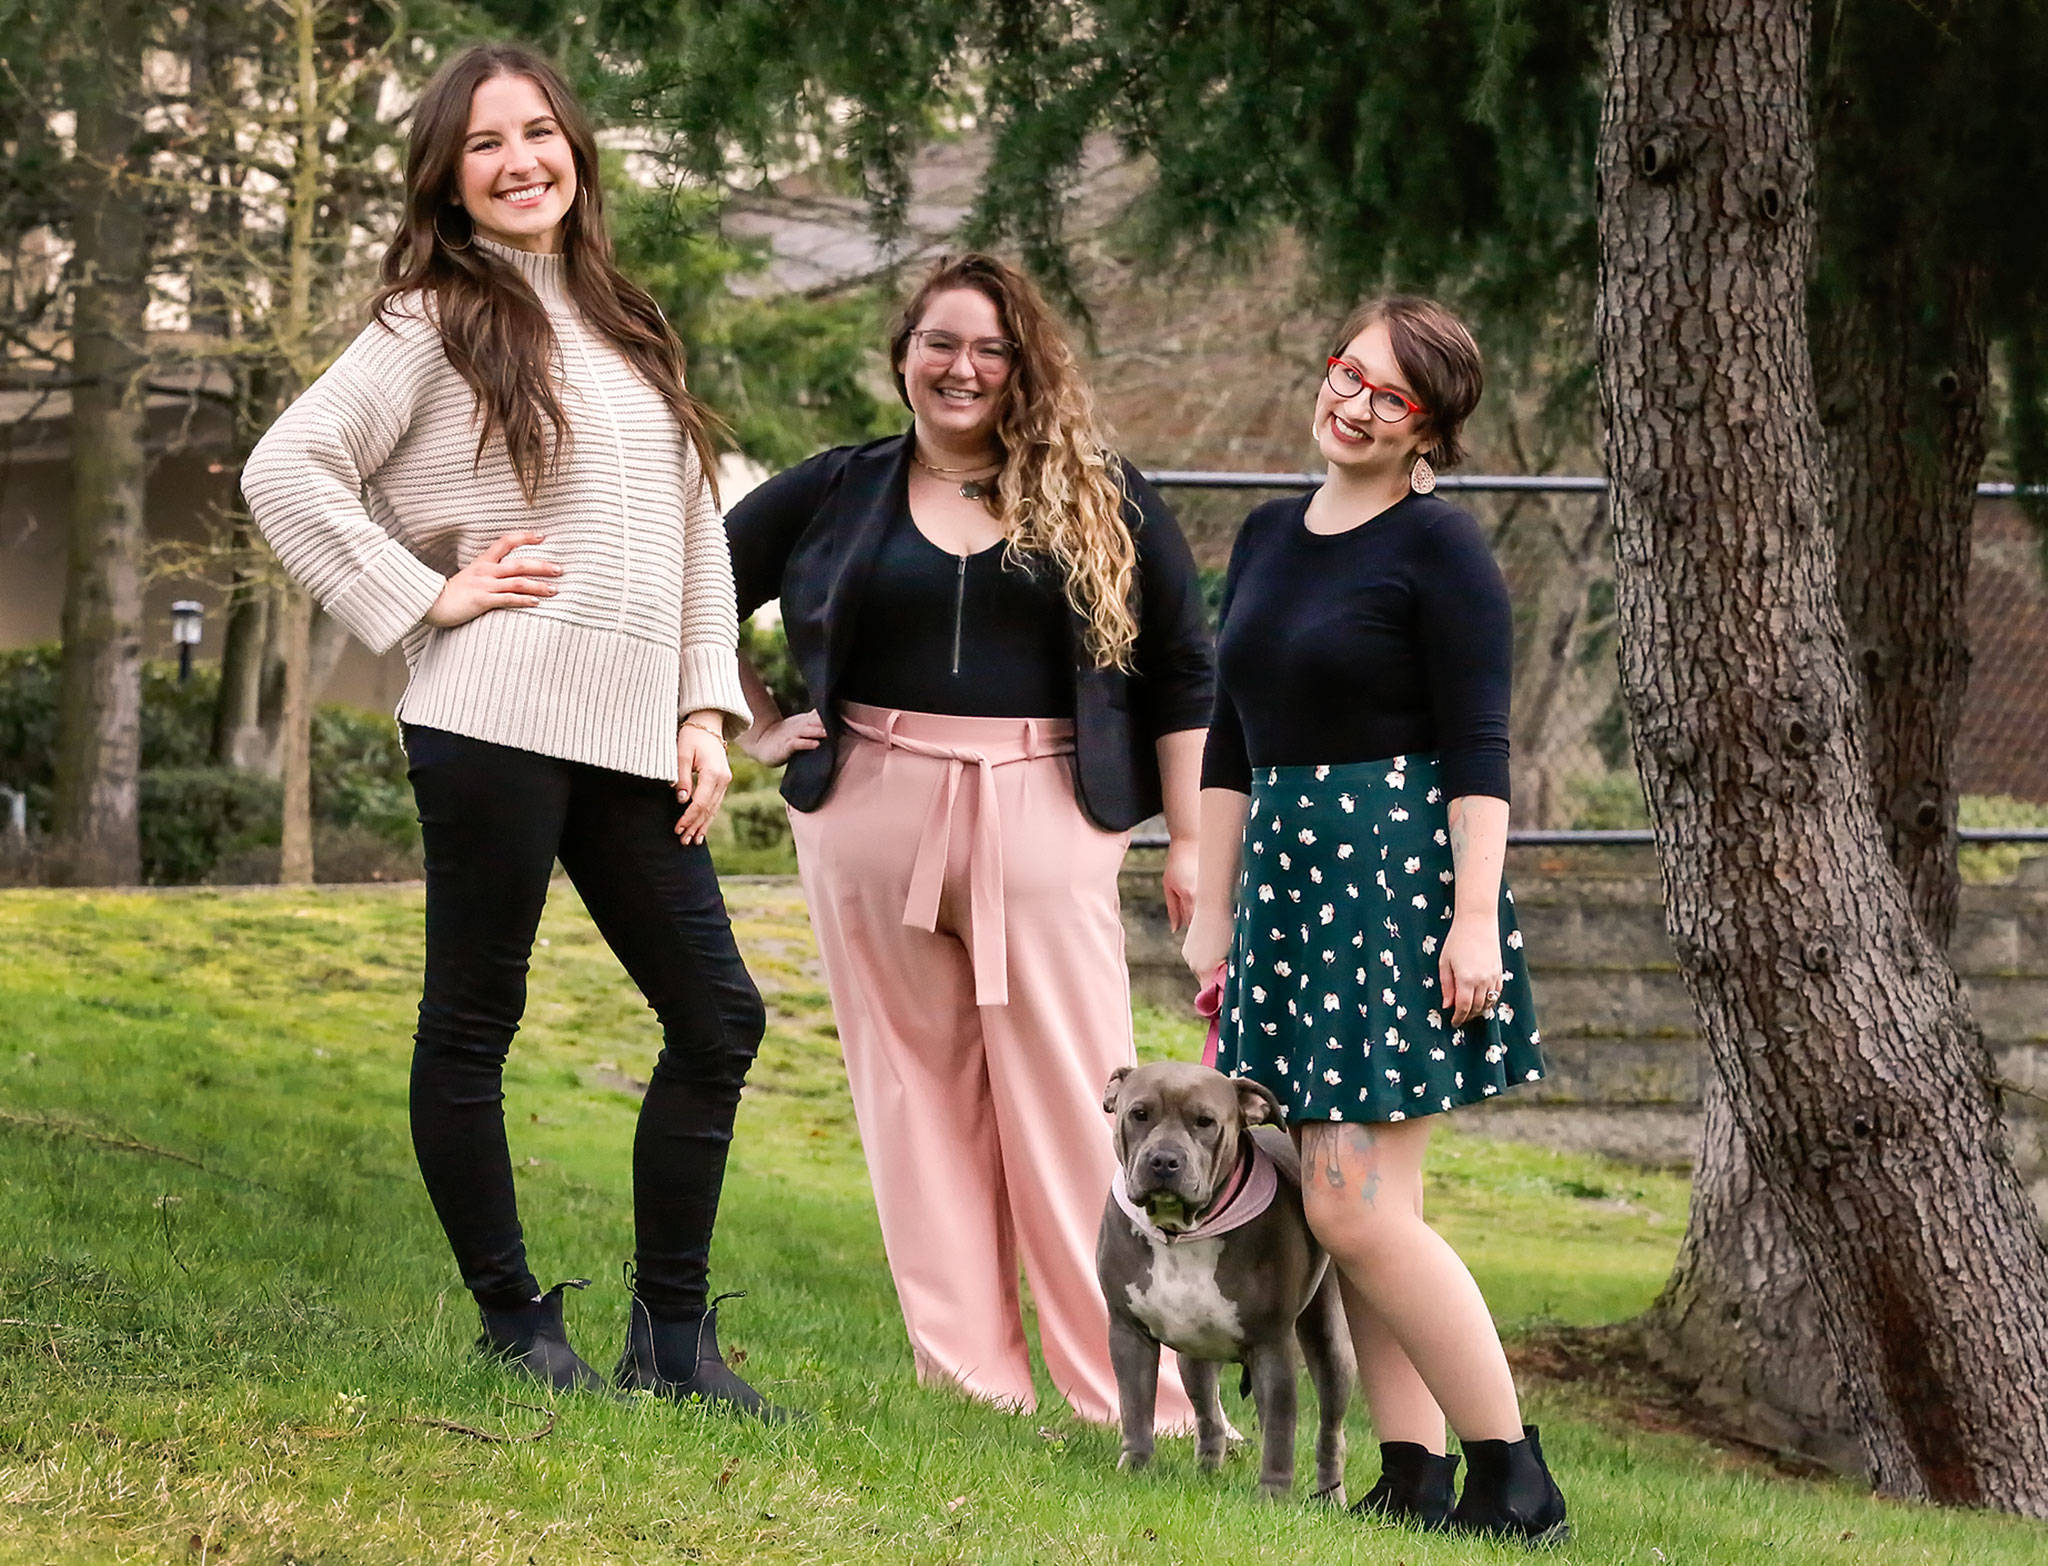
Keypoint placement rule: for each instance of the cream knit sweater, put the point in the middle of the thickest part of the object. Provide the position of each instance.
(369, 490)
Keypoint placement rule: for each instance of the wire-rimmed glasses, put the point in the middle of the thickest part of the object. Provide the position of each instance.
(990, 355)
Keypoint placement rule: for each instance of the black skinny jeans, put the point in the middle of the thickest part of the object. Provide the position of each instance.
(494, 820)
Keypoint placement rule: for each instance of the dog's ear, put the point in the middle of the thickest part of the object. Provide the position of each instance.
(1255, 1101)
(1114, 1089)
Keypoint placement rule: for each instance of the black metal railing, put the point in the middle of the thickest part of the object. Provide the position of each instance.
(1473, 483)
(1545, 484)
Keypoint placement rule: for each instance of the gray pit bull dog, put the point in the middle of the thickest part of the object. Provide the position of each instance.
(1208, 1253)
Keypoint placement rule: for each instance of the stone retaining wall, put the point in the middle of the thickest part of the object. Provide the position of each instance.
(1618, 1027)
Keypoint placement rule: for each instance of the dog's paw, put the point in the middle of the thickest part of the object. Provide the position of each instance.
(1276, 1489)
(1334, 1496)
(1131, 1461)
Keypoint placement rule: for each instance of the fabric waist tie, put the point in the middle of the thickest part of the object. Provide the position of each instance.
(982, 744)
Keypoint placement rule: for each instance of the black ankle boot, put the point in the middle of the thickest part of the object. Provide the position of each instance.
(532, 1340)
(679, 1360)
(1509, 1492)
(1415, 1489)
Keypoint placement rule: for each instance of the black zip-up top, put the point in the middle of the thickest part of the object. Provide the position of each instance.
(814, 537)
(976, 635)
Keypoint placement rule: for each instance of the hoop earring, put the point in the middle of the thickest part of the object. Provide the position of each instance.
(1422, 477)
(446, 242)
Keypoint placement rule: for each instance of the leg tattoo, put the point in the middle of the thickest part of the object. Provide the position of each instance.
(1347, 1153)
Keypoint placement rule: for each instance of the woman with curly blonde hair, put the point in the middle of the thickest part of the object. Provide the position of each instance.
(1000, 626)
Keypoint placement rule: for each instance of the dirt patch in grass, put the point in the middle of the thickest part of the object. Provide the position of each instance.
(1608, 1366)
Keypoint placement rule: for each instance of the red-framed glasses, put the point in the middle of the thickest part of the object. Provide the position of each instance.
(1388, 406)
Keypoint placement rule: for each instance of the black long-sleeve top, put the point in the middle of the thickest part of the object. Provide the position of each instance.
(811, 536)
(1393, 638)
(977, 635)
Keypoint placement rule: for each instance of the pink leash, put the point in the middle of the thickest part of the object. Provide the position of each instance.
(1209, 1003)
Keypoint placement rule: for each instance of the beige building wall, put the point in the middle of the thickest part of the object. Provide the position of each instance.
(189, 491)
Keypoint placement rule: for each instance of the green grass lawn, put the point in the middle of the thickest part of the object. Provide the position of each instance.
(228, 1319)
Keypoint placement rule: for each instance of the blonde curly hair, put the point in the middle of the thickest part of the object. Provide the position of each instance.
(1061, 492)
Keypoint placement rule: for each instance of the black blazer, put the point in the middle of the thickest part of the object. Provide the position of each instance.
(809, 537)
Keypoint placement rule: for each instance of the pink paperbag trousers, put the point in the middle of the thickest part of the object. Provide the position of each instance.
(967, 915)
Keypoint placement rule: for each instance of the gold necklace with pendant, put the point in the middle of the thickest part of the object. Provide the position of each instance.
(970, 489)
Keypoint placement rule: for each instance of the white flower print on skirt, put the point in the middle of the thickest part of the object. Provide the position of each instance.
(1378, 1033)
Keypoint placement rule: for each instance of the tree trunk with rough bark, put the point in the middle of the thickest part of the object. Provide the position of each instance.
(294, 611)
(1900, 366)
(99, 702)
(237, 710)
(237, 737)
(1852, 1067)
(1903, 402)
(1736, 1325)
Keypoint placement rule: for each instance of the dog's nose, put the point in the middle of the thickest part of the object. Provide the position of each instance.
(1164, 1163)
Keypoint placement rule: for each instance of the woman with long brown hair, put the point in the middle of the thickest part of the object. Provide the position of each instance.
(999, 623)
(505, 474)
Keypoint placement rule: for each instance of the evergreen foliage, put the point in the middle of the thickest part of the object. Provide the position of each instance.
(1444, 146)
(1929, 127)
(790, 375)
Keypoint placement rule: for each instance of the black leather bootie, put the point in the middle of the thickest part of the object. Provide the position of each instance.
(1509, 1493)
(680, 1360)
(1416, 1487)
(533, 1341)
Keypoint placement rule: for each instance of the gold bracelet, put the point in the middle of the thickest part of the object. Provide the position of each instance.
(705, 728)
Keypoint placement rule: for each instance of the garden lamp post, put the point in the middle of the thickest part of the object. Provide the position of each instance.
(187, 617)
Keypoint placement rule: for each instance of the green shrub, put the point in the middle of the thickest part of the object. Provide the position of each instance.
(345, 854)
(751, 834)
(766, 647)
(759, 818)
(749, 775)
(192, 813)
(359, 776)
(203, 823)
(1609, 801)
(177, 720)
(192, 817)
(28, 720)
(1998, 861)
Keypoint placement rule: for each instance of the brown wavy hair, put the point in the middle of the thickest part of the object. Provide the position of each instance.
(493, 327)
(1061, 492)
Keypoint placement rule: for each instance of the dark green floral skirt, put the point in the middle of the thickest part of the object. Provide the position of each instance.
(1331, 998)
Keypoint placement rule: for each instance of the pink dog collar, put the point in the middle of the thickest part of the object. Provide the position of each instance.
(1254, 1194)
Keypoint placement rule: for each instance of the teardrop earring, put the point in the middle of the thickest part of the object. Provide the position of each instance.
(1422, 477)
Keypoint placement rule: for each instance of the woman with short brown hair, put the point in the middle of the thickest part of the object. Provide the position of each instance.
(1000, 626)
(1354, 823)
